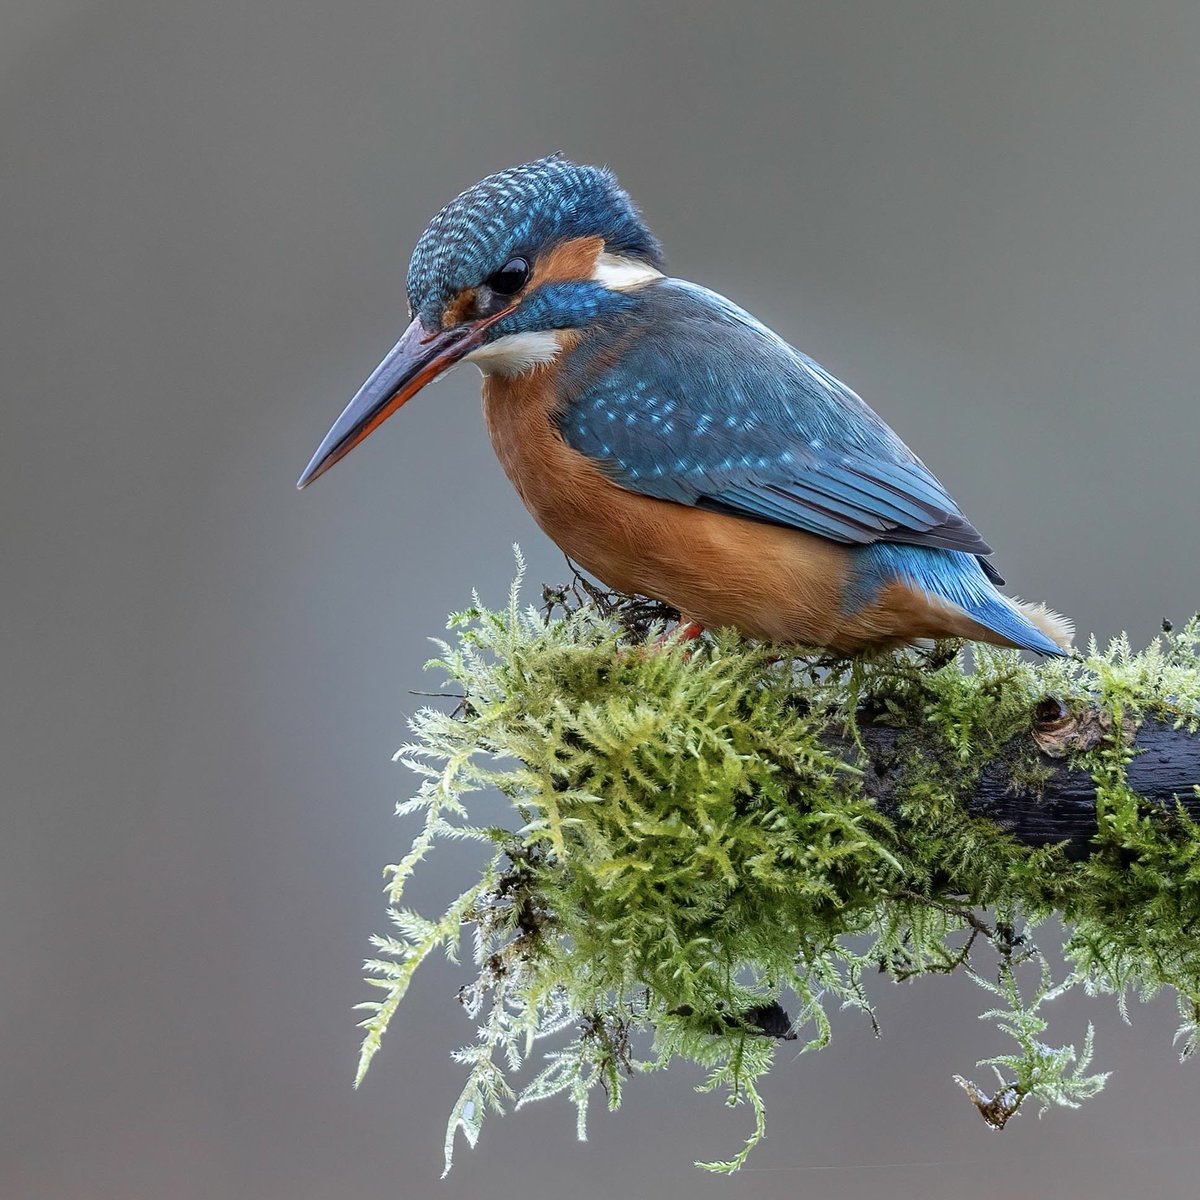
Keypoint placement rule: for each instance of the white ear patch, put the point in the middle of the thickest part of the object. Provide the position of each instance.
(621, 274)
(516, 353)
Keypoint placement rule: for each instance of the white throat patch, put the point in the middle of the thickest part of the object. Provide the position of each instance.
(516, 353)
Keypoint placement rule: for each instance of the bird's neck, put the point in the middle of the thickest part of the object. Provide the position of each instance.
(520, 412)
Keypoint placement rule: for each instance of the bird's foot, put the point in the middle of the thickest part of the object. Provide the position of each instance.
(685, 631)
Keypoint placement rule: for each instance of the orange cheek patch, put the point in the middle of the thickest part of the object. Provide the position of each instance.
(572, 260)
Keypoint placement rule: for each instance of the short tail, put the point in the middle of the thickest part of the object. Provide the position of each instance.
(1029, 626)
(958, 578)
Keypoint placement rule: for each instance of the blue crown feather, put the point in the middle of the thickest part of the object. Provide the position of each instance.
(521, 211)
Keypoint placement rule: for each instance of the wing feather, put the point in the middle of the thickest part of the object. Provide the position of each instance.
(693, 400)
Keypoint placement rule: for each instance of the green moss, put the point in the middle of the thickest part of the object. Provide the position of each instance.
(685, 851)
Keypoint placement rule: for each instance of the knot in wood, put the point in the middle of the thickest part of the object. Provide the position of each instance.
(1059, 732)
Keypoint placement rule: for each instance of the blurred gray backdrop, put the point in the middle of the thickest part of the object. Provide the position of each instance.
(982, 217)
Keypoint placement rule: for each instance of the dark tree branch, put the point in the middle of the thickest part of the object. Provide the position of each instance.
(1046, 800)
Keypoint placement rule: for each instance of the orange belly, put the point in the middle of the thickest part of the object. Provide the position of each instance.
(769, 581)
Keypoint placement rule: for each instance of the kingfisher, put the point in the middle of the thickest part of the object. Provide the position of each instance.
(671, 443)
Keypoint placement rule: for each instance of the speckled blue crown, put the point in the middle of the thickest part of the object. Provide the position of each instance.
(521, 211)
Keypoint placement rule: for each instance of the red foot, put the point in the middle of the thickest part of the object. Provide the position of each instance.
(681, 633)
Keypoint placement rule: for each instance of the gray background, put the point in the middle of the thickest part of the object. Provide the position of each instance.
(982, 217)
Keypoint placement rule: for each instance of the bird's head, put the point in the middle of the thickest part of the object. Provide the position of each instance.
(498, 278)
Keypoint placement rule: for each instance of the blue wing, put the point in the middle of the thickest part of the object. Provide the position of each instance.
(692, 400)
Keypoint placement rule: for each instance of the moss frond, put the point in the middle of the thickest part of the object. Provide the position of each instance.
(686, 852)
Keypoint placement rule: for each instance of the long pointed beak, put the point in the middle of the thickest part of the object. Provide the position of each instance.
(418, 358)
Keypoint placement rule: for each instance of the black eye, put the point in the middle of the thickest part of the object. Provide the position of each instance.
(510, 278)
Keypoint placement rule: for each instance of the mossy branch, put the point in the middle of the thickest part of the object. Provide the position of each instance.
(707, 837)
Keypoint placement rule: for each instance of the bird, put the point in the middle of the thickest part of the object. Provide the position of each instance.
(672, 444)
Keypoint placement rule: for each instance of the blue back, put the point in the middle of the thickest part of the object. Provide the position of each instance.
(707, 406)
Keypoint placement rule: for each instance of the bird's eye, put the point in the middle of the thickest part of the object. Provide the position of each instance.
(510, 278)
